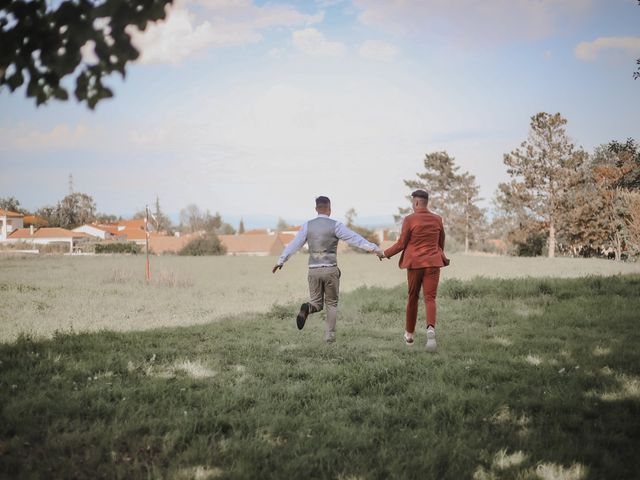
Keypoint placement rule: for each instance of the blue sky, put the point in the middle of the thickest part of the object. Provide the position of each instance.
(254, 108)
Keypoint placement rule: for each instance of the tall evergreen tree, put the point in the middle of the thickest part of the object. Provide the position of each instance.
(452, 195)
(468, 219)
(439, 179)
(543, 169)
(162, 221)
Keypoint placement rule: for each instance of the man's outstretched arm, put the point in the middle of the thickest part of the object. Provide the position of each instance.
(295, 245)
(356, 240)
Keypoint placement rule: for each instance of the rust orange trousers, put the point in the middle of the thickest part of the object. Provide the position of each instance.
(427, 280)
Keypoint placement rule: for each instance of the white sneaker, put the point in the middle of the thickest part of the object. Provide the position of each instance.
(431, 339)
(408, 339)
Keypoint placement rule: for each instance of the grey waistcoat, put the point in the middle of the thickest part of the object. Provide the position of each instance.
(322, 241)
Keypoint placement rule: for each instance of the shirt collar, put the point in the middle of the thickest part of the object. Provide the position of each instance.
(323, 215)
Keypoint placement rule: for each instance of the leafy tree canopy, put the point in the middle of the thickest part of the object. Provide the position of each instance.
(12, 204)
(72, 211)
(207, 244)
(42, 42)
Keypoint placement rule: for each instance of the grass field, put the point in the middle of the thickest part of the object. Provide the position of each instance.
(535, 378)
(44, 295)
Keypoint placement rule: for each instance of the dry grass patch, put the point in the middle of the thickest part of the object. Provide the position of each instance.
(503, 341)
(552, 471)
(601, 351)
(503, 460)
(198, 473)
(629, 389)
(534, 360)
(190, 368)
(171, 280)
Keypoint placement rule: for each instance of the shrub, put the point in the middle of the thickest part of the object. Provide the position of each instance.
(208, 244)
(118, 247)
(54, 248)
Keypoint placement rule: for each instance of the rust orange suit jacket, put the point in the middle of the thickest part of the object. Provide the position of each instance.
(421, 241)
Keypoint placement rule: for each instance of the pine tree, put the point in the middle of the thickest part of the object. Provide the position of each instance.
(543, 169)
(452, 195)
(162, 221)
(468, 219)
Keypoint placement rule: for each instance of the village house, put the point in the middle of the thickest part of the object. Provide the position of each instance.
(9, 222)
(46, 236)
(163, 244)
(124, 230)
(252, 244)
(102, 232)
(34, 220)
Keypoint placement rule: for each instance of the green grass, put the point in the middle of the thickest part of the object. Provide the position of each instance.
(533, 378)
(42, 295)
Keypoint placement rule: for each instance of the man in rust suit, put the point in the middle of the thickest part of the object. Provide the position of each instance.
(422, 245)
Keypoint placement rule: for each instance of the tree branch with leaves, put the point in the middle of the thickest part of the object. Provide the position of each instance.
(42, 44)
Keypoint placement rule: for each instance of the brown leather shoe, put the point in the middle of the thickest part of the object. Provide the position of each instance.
(302, 315)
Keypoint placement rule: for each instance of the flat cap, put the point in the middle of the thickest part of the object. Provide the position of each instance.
(421, 194)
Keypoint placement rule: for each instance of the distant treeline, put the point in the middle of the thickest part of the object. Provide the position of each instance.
(560, 199)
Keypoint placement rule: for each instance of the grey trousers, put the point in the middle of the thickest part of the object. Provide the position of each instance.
(324, 288)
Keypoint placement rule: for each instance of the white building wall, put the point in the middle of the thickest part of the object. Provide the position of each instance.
(44, 241)
(93, 231)
(8, 225)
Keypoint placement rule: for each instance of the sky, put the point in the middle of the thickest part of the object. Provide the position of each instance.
(252, 108)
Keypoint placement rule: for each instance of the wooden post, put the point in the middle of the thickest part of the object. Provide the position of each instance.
(146, 234)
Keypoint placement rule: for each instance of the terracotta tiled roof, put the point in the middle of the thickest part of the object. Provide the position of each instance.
(252, 243)
(135, 234)
(137, 223)
(166, 244)
(44, 233)
(34, 220)
(112, 229)
(131, 229)
(10, 214)
(286, 238)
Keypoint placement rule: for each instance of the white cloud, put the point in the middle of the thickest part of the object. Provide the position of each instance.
(470, 22)
(378, 50)
(589, 51)
(178, 38)
(61, 136)
(219, 23)
(314, 43)
(257, 138)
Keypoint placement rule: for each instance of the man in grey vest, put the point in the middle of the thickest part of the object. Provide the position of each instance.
(322, 234)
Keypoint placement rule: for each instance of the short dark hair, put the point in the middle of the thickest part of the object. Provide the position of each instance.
(322, 201)
(421, 194)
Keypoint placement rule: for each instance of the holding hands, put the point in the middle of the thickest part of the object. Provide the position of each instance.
(380, 253)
